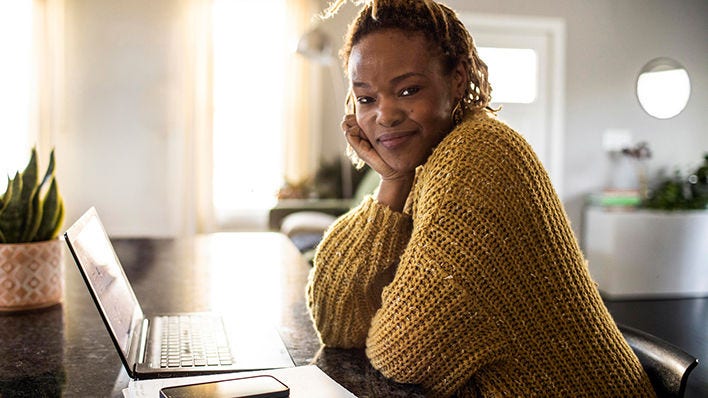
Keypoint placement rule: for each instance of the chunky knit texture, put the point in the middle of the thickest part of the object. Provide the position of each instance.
(479, 288)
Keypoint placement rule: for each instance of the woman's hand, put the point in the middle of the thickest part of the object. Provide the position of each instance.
(395, 184)
(360, 143)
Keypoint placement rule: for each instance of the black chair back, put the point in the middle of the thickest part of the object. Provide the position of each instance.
(667, 366)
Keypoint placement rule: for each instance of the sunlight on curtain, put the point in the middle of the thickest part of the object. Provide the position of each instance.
(264, 119)
(249, 76)
(49, 104)
(31, 47)
(16, 82)
(191, 156)
(303, 99)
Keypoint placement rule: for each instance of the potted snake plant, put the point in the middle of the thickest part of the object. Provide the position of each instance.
(31, 255)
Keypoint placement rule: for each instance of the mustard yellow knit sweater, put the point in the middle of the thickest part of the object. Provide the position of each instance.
(479, 288)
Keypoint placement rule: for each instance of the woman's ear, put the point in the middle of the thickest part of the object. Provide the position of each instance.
(460, 79)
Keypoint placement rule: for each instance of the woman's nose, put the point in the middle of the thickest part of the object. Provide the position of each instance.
(389, 113)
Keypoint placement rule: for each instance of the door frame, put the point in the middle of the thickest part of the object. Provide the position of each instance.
(554, 31)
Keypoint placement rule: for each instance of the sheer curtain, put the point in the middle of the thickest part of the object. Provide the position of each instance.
(299, 96)
(49, 47)
(192, 155)
(303, 100)
(249, 74)
(31, 41)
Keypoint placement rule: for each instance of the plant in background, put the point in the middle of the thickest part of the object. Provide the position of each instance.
(669, 194)
(678, 193)
(31, 210)
(698, 182)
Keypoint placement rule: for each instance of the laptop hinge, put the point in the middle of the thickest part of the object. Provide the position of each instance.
(143, 341)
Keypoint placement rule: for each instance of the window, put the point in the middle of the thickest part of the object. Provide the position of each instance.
(16, 83)
(513, 74)
(248, 81)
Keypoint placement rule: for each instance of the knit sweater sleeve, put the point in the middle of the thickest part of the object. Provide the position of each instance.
(356, 259)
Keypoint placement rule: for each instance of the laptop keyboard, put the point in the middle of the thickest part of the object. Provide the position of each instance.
(193, 341)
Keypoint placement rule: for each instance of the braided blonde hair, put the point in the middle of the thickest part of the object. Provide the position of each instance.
(439, 25)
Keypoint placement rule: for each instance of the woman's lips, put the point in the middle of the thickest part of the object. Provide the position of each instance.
(394, 140)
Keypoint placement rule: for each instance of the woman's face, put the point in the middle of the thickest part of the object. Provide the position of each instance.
(402, 97)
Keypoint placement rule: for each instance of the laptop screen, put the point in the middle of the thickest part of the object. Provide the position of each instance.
(102, 271)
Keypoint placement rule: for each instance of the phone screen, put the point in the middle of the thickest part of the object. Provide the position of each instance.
(252, 387)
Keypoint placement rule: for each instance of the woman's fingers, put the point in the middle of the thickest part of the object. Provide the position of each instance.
(351, 128)
(363, 148)
(355, 135)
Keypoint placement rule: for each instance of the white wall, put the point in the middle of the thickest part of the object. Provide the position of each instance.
(607, 43)
(119, 146)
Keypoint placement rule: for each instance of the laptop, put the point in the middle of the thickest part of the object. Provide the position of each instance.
(201, 342)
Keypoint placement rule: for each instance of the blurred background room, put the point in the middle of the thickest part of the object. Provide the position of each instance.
(181, 116)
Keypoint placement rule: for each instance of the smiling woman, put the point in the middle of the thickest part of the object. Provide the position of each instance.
(461, 273)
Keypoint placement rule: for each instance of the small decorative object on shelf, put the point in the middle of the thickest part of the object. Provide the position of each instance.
(31, 256)
(640, 153)
(617, 199)
(627, 183)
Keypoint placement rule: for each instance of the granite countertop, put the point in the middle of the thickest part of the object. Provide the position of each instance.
(65, 350)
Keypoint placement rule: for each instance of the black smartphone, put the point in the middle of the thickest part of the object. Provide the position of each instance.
(251, 387)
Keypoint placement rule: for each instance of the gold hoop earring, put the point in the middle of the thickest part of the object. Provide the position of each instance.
(458, 113)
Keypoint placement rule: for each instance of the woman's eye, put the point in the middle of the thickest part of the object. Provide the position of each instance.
(364, 100)
(409, 91)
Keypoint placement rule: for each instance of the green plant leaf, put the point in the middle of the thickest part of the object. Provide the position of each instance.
(6, 200)
(58, 221)
(52, 214)
(6, 196)
(13, 213)
(30, 180)
(37, 209)
(50, 169)
(32, 224)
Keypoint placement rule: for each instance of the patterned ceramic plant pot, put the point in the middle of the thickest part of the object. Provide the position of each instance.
(31, 275)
